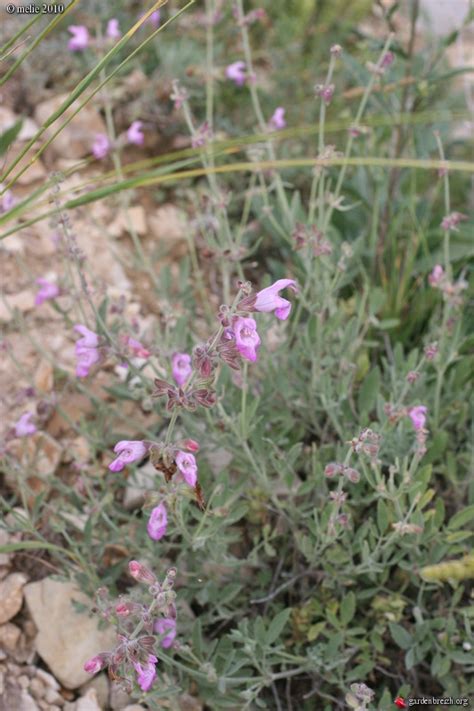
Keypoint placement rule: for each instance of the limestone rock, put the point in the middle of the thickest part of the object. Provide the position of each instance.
(142, 480)
(100, 684)
(23, 301)
(66, 639)
(168, 228)
(89, 702)
(9, 636)
(75, 140)
(11, 596)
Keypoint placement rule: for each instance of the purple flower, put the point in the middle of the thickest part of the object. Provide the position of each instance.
(128, 452)
(325, 91)
(86, 350)
(95, 664)
(135, 133)
(157, 523)
(387, 59)
(236, 73)
(24, 427)
(79, 39)
(7, 200)
(101, 146)
(269, 299)
(166, 624)
(181, 367)
(155, 19)
(246, 337)
(146, 674)
(89, 338)
(186, 464)
(277, 121)
(48, 290)
(418, 416)
(436, 275)
(113, 29)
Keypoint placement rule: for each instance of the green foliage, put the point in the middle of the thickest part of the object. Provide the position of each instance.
(284, 591)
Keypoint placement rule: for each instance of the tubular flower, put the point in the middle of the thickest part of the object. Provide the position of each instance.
(269, 299)
(247, 339)
(181, 367)
(95, 664)
(436, 275)
(101, 146)
(186, 464)
(48, 290)
(168, 625)
(135, 133)
(157, 523)
(79, 39)
(128, 452)
(236, 73)
(113, 29)
(277, 121)
(24, 427)
(418, 416)
(86, 350)
(146, 674)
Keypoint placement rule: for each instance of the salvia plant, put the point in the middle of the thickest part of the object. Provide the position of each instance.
(291, 400)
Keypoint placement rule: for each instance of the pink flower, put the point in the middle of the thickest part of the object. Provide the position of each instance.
(138, 349)
(140, 572)
(436, 275)
(7, 200)
(101, 146)
(387, 59)
(86, 350)
(113, 29)
(191, 445)
(95, 664)
(269, 299)
(277, 121)
(86, 358)
(48, 290)
(236, 73)
(79, 39)
(128, 452)
(186, 464)
(157, 523)
(135, 133)
(325, 91)
(246, 337)
(162, 625)
(89, 338)
(181, 367)
(418, 416)
(24, 427)
(155, 19)
(451, 221)
(146, 674)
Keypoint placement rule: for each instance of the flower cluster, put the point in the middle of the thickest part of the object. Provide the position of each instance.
(334, 469)
(368, 442)
(451, 291)
(139, 628)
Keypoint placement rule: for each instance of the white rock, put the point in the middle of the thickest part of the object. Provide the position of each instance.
(66, 639)
(11, 596)
(89, 702)
(75, 140)
(144, 479)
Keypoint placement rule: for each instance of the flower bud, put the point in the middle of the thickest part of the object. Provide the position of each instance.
(191, 445)
(140, 572)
